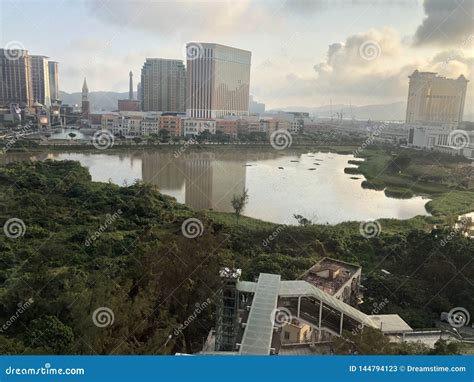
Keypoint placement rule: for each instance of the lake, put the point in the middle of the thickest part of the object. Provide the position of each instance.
(279, 184)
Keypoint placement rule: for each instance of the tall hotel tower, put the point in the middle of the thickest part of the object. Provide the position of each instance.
(432, 98)
(218, 79)
(163, 85)
(15, 78)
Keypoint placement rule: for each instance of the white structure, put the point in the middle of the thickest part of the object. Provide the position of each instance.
(218, 80)
(432, 98)
(442, 138)
(132, 124)
(195, 126)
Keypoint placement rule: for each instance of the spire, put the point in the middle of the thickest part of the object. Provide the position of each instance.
(85, 90)
(130, 89)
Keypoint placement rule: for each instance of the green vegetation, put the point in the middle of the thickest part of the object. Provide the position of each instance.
(404, 172)
(90, 245)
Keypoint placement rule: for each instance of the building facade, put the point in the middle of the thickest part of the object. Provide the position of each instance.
(163, 85)
(218, 80)
(53, 81)
(196, 126)
(15, 78)
(40, 80)
(173, 124)
(432, 98)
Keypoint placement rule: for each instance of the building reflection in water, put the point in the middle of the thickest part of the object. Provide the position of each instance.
(201, 180)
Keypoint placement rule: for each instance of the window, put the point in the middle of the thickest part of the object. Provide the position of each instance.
(287, 335)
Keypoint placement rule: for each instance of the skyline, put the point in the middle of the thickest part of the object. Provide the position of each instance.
(295, 61)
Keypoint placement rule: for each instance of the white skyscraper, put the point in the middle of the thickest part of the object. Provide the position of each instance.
(218, 80)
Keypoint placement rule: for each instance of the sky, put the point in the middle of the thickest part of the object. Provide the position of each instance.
(304, 53)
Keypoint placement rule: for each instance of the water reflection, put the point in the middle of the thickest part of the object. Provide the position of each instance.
(280, 184)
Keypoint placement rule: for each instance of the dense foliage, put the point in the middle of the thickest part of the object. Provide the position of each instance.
(91, 245)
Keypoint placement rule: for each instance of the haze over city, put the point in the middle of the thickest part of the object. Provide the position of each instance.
(294, 61)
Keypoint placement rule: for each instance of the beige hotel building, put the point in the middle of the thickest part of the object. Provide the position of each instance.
(218, 79)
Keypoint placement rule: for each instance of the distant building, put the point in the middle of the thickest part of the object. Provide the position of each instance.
(139, 94)
(196, 126)
(130, 86)
(15, 78)
(53, 81)
(256, 108)
(432, 98)
(163, 85)
(128, 105)
(218, 80)
(40, 80)
(228, 127)
(171, 123)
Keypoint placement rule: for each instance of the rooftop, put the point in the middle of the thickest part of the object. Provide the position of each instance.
(330, 275)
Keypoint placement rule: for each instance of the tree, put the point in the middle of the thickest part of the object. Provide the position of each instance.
(239, 202)
(164, 135)
(137, 140)
(72, 135)
(302, 220)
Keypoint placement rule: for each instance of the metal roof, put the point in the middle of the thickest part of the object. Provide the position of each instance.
(258, 333)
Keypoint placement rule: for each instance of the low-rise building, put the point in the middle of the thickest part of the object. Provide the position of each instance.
(172, 123)
(196, 126)
(228, 127)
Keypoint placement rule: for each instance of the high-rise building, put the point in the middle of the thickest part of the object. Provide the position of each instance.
(129, 104)
(218, 80)
(15, 79)
(163, 85)
(53, 80)
(433, 98)
(40, 79)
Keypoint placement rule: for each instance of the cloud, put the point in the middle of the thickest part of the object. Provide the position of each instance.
(447, 22)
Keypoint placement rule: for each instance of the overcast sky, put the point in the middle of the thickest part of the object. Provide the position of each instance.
(304, 53)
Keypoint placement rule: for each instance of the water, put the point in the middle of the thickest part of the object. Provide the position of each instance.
(208, 180)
